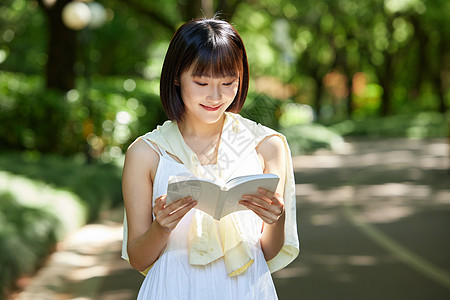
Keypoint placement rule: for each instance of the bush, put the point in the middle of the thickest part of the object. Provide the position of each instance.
(97, 185)
(306, 138)
(118, 110)
(42, 199)
(33, 216)
(262, 109)
(302, 138)
(421, 125)
(26, 236)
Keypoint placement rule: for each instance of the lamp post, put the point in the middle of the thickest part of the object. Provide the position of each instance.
(84, 16)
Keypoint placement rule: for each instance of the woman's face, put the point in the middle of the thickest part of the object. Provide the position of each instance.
(205, 97)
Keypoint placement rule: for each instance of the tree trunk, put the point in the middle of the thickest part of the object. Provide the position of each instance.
(318, 98)
(385, 81)
(438, 82)
(62, 44)
(441, 91)
(349, 99)
(190, 9)
(422, 67)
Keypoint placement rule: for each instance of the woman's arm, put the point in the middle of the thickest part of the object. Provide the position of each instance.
(147, 239)
(270, 206)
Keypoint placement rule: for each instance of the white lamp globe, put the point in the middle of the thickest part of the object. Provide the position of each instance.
(76, 15)
(98, 15)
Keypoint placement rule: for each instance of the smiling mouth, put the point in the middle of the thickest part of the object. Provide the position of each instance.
(211, 108)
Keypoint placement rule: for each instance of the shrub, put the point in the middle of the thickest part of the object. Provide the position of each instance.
(421, 125)
(305, 138)
(42, 199)
(100, 120)
(26, 236)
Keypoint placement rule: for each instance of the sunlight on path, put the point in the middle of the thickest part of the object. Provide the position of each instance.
(82, 260)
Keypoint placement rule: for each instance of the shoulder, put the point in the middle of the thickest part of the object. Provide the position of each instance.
(271, 146)
(141, 157)
(272, 153)
(140, 148)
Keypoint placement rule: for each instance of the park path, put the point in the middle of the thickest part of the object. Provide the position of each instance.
(374, 223)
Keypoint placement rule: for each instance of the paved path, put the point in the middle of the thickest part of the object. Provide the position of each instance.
(374, 223)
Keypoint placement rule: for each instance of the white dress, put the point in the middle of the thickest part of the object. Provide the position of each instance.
(173, 277)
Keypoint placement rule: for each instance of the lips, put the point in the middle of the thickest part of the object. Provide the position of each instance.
(211, 108)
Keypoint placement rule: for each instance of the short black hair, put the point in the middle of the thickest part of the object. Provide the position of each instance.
(215, 49)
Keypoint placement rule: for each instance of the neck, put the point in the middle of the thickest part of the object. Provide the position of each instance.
(195, 129)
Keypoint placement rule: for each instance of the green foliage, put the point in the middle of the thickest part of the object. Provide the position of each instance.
(302, 135)
(306, 138)
(400, 46)
(26, 236)
(32, 118)
(262, 109)
(42, 199)
(96, 185)
(22, 24)
(422, 125)
(104, 120)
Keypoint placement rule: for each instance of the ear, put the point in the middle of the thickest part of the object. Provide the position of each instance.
(177, 83)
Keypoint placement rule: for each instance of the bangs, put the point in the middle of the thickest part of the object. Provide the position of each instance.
(219, 61)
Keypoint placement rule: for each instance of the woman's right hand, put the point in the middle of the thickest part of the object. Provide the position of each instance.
(168, 217)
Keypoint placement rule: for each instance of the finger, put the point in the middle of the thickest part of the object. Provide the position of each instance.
(163, 213)
(179, 203)
(276, 209)
(277, 199)
(265, 192)
(258, 200)
(267, 216)
(160, 201)
(169, 220)
(161, 198)
(159, 204)
(175, 216)
(261, 211)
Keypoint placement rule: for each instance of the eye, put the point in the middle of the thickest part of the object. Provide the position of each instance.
(229, 83)
(201, 83)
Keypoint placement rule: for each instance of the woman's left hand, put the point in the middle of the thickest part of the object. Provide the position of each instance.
(267, 205)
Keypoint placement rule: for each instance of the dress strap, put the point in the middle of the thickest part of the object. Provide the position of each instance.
(155, 147)
(160, 150)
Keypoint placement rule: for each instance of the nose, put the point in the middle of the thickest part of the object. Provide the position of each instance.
(215, 94)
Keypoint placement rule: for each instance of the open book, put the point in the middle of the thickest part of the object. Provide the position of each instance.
(218, 201)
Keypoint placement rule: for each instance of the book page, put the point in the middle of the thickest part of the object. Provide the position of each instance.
(247, 187)
(205, 192)
(241, 179)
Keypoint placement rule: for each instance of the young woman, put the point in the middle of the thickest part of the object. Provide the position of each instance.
(184, 252)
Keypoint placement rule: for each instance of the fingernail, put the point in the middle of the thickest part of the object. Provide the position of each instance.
(261, 190)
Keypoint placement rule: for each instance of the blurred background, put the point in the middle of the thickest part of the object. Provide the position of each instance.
(342, 79)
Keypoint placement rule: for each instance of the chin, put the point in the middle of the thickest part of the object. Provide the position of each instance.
(208, 117)
(212, 118)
